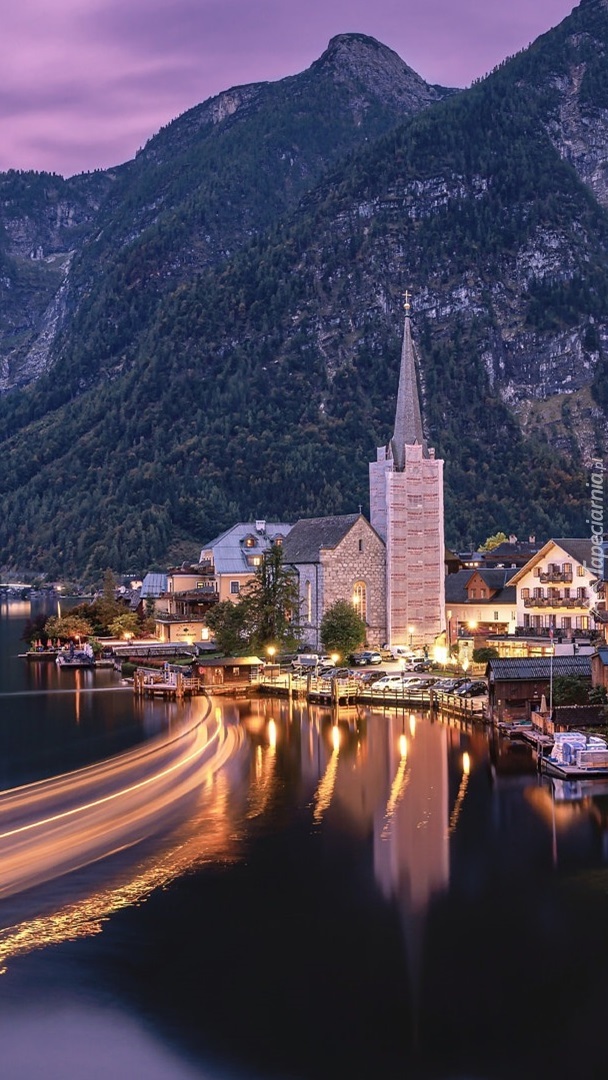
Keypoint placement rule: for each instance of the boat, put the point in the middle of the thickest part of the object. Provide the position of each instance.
(576, 755)
(76, 658)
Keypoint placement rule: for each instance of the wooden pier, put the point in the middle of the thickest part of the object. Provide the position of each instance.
(152, 682)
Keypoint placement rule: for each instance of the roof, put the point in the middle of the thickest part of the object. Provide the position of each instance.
(538, 667)
(228, 552)
(408, 418)
(510, 549)
(228, 661)
(456, 586)
(153, 585)
(578, 548)
(310, 535)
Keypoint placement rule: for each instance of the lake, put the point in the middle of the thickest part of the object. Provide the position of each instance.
(371, 893)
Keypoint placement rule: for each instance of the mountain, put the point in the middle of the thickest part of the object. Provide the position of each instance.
(226, 332)
(207, 183)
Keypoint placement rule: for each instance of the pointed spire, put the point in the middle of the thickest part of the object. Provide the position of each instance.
(408, 418)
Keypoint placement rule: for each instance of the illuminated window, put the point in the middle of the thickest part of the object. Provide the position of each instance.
(580, 571)
(360, 599)
(308, 602)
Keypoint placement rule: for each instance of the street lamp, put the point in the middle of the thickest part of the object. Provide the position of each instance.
(271, 650)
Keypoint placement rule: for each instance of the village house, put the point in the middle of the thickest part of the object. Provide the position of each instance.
(480, 603)
(516, 686)
(557, 591)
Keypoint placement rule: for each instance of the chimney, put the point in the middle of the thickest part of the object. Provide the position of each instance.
(260, 526)
(512, 539)
(531, 539)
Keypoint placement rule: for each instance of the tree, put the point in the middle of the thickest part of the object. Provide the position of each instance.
(342, 629)
(494, 541)
(67, 627)
(570, 690)
(126, 624)
(483, 656)
(272, 604)
(227, 622)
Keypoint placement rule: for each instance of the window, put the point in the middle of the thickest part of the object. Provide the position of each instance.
(495, 616)
(360, 599)
(361, 543)
(580, 571)
(249, 541)
(566, 622)
(537, 571)
(308, 602)
(525, 594)
(235, 588)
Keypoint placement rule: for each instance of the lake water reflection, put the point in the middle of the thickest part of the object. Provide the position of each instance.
(382, 896)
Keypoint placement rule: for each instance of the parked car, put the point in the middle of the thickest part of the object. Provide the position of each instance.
(385, 654)
(389, 682)
(368, 656)
(448, 686)
(472, 689)
(366, 678)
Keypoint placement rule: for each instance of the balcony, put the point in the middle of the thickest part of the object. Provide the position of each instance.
(556, 602)
(556, 577)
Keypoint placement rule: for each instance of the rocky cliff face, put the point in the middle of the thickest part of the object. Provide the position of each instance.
(218, 175)
(234, 296)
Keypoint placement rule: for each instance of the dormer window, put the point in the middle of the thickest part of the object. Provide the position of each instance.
(250, 541)
(278, 541)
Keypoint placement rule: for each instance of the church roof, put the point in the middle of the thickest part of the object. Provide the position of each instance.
(309, 535)
(408, 418)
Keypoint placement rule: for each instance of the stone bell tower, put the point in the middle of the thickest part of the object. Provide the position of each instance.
(406, 509)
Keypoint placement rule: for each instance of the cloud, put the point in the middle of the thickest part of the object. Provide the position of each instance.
(104, 76)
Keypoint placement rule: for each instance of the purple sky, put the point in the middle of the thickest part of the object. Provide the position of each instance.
(85, 83)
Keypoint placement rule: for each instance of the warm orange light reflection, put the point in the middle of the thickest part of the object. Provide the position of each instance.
(272, 734)
(412, 725)
(57, 825)
(466, 763)
(335, 737)
(403, 746)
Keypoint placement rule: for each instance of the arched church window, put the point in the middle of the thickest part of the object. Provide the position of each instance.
(360, 599)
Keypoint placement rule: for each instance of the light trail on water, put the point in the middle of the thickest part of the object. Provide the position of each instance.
(54, 826)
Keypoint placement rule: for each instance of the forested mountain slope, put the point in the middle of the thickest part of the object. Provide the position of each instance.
(202, 383)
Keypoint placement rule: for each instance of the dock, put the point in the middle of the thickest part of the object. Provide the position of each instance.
(155, 682)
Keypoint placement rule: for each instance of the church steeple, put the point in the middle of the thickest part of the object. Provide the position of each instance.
(408, 417)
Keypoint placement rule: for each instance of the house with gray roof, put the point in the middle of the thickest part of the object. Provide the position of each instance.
(516, 685)
(233, 557)
(558, 590)
(480, 603)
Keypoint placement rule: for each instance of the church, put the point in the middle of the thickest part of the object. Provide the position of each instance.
(392, 568)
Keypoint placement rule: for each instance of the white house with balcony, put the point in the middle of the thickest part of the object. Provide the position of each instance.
(558, 590)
